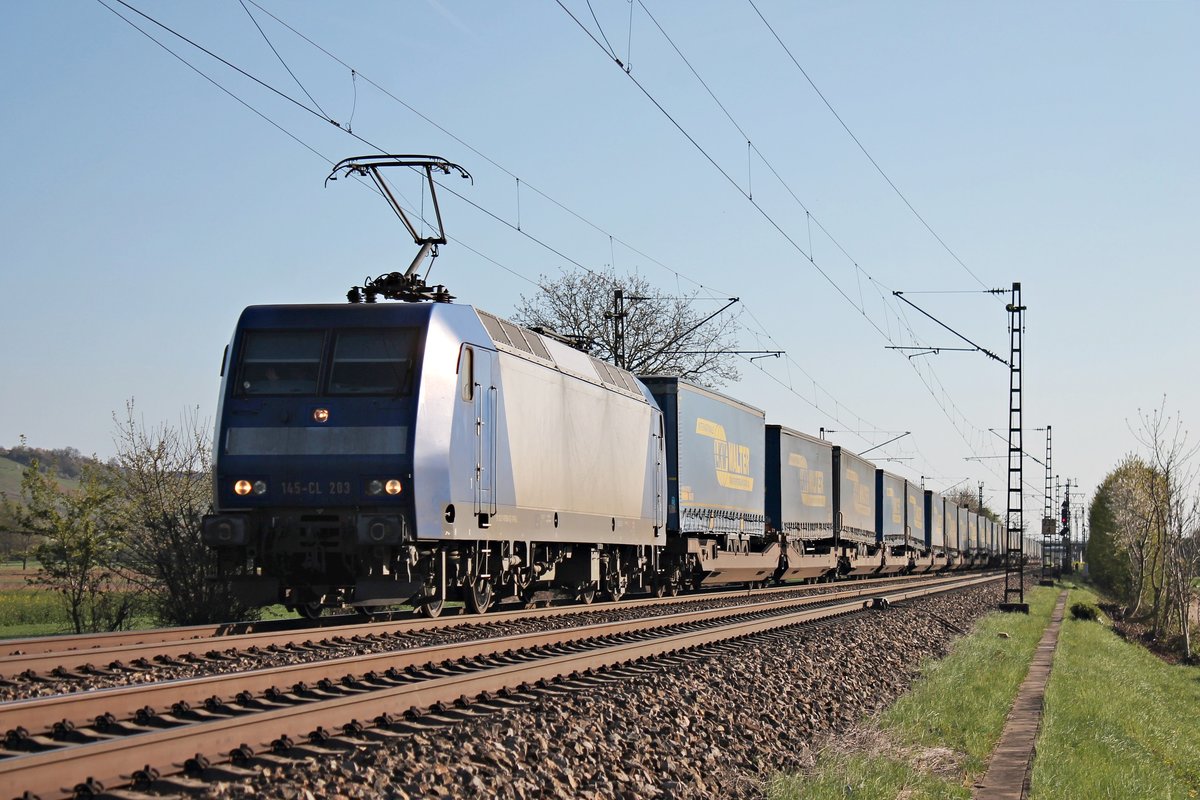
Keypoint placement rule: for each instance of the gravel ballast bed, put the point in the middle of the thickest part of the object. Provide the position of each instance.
(711, 726)
(46, 686)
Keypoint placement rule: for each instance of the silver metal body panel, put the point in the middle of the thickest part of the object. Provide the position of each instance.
(546, 453)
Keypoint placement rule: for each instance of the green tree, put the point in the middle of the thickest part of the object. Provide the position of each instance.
(1135, 534)
(1108, 562)
(80, 550)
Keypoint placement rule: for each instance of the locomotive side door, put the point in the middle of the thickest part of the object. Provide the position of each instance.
(660, 474)
(485, 437)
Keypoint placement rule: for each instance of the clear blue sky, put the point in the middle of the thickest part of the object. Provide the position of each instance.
(1051, 143)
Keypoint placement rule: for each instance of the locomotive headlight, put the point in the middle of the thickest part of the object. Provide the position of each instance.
(260, 487)
(320, 414)
(375, 487)
(393, 486)
(242, 488)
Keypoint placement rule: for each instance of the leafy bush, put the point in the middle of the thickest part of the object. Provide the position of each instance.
(1084, 611)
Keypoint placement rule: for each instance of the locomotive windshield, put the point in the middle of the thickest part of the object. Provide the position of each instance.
(372, 362)
(281, 362)
(359, 362)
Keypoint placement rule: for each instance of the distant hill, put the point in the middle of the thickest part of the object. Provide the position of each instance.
(10, 476)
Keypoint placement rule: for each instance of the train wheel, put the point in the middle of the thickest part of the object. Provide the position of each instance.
(669, 584)
(431, 607)
(587, 593)
(615, 584)
(309, 610)
(479, 596)
(433, 596)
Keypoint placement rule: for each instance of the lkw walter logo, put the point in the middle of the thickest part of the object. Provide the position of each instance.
(731, 460)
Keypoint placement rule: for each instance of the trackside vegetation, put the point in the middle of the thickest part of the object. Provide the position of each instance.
(1119, 721)
(936, 740)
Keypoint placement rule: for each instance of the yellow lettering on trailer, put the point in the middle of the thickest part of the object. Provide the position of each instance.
(731, 460)
(812, 482)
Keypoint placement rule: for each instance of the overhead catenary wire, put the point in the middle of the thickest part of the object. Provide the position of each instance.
(328, 160)
(807, 255)
(725, 174)
(517, 178)
(861, 147)
(808, 215)
(530, 187)
(360, 138)
(215, 83)
(267, 39)
(839, 408)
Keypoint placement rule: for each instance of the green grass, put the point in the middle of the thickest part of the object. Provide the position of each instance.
(10, 479)
(30, 607)
(276, 612)
(934, 741)
(1119, 722)
(34, 612)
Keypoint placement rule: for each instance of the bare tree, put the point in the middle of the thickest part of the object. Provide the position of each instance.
(1175, 512)
(663, 335)
(965, 498)
(165, 479)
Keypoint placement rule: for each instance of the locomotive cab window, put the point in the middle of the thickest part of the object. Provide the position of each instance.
(281, 362)
(466, 374)
(376, 362)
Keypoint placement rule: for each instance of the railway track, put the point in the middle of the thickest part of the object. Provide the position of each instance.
(76, 743)
(131, 652)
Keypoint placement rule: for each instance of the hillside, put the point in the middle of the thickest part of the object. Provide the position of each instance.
(10, 479)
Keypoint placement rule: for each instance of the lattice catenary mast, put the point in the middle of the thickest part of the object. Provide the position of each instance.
(1014, 557)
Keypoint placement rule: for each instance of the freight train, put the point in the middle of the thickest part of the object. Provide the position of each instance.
(382, 453)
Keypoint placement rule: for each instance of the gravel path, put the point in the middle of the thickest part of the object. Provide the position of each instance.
(706, 726)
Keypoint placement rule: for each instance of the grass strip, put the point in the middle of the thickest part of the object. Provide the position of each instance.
(19, 607)
(937, 739)
(1119, 722)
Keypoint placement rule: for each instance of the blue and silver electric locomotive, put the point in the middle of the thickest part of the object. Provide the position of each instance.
(369, 454)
